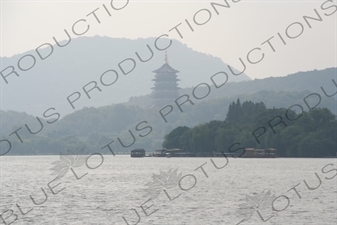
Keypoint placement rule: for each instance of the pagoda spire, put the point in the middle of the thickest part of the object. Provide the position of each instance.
(165, 61)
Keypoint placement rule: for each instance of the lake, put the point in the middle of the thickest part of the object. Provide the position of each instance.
(161, 191)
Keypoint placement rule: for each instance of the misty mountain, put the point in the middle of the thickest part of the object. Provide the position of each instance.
(95, 127)
(68, 69)
(308, 82)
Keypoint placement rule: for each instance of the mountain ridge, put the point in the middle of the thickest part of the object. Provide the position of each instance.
(85, 59)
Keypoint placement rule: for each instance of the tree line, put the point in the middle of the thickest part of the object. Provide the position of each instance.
(312, 134)
(92, 128)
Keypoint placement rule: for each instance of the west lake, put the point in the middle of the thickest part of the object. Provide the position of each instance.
(168, 191)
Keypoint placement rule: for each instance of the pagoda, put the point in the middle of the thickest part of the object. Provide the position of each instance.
(165, 90)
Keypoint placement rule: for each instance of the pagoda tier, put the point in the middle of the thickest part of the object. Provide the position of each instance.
(165, 90)
(166, 86)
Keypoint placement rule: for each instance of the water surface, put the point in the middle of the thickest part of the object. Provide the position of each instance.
(207, 195)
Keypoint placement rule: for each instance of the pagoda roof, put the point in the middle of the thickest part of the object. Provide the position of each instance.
(166, 68)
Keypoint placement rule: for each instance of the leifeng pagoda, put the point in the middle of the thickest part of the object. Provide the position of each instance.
(165, 90)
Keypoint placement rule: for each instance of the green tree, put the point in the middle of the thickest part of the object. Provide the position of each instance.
(174, 138)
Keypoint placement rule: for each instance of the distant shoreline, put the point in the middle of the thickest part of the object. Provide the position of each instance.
(128, 155)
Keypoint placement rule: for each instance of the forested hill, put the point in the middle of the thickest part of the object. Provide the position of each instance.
(298, 82)
(85, 59)
(95, 127)
(311, 81)
(249, 125)
(312, 134)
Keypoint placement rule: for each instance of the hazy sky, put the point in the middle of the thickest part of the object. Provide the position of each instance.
(230, 35)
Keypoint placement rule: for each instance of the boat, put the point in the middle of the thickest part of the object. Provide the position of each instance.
(138, 153)
(174, 152)
(259, 153)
